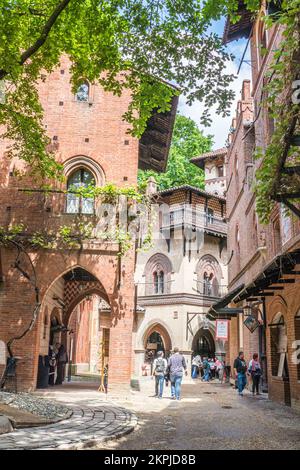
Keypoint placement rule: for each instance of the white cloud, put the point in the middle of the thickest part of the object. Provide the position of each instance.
(220, 126)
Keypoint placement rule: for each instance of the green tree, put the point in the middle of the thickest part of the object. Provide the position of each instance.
(133, 44)
(187, 142)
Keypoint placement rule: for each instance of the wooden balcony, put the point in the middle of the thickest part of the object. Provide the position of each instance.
(186, 216)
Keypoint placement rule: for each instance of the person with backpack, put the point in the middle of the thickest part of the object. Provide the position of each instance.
(240, 369)
(254, 370)
(176, 365)
(160, 366)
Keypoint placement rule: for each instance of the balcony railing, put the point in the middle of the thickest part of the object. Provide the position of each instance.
(211, 290)
(188, 216)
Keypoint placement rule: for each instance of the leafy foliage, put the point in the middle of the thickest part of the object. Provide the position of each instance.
(283, 73)
(121, 44)
(187, 142)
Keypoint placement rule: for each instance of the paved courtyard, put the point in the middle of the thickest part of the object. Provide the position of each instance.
(209, 416)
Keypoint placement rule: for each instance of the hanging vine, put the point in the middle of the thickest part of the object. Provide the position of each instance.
(83, 228)
(282, 99)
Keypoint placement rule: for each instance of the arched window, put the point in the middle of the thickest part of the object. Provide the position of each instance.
(82, 93)
(278, 336)
(79, 204)
(158, 282)
(155, 282)
(207, 283)
(158, 275)
(209, 275)
(161, 282)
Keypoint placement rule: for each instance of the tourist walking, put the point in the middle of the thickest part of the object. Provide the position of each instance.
(176, 366)
(160, 366)
(196, 366)
(220, 370)
(206, 370)
(62, 359)
(254, 370)
(240, 369)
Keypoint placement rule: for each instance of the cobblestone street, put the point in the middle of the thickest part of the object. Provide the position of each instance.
(209, 416)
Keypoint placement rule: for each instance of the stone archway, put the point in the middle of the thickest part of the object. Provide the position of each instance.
(161, 340)
(68, 291)
(204, 343)
(162, 331)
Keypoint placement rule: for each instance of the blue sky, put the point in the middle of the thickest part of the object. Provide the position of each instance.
(220, 126)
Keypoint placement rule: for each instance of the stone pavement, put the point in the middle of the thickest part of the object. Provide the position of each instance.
(209, 417)
(94, 420)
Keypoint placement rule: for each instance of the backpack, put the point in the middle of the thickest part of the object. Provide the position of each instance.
(160, 366)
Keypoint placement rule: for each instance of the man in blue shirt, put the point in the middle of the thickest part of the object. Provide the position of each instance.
(176, 366)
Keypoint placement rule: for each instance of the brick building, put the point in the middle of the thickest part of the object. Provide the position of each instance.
(264, 267)
(91, 141)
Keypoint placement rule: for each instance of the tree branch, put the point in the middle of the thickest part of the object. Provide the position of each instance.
(44, 35)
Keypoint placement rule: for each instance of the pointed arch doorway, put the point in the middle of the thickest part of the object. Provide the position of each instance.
(156, 339)
(204, 344)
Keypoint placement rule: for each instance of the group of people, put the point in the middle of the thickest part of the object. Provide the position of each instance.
(170, 370)
(208, 368)
(242, 370)
(58, 359)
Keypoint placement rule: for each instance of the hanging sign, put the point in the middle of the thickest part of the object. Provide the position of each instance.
(251, 323)
(222, 329)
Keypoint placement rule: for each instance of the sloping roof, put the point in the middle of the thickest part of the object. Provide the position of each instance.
(199, 161)
(154, 144)
(219, 306)
(187, 187)
(240, 29)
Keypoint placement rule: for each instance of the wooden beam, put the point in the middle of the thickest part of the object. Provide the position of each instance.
(291, 170)
(291, 206)
(273, 288)
(265, 294)
(295, 140)
(283, 197)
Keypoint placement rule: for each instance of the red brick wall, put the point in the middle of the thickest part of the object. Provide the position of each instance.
(97, 131)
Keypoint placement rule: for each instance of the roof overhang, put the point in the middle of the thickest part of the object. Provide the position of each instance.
(186, 187)
(210, 156)
(154, 144)
(262, 286)
(220, 309)
(273, 274)
(240, 29)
